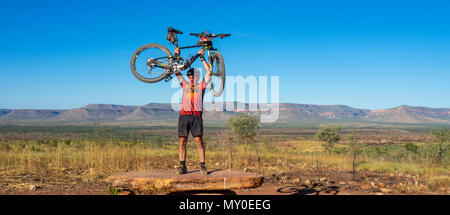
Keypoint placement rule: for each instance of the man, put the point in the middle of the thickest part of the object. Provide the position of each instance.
(191, 113)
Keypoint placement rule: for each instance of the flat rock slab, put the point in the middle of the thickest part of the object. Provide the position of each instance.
(167, 181)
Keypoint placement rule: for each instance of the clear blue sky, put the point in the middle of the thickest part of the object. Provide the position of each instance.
(366, 54)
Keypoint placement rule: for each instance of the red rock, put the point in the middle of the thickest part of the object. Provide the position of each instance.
(166, 181)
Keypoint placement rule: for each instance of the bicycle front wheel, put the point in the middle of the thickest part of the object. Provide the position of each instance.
(150, 62)
(217, 67)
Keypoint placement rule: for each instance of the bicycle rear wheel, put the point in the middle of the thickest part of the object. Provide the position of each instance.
(217, 83)
(150, 62)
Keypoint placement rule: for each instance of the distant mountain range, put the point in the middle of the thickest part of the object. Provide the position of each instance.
(288, 112)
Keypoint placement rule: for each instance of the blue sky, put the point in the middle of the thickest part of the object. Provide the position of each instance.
(366, 54)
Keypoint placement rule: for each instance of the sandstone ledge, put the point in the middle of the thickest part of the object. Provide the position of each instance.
(167, 181)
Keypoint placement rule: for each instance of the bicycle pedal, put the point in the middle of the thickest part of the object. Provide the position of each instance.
(168, 78)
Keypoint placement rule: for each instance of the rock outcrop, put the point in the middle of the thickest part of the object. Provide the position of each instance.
(167, 181)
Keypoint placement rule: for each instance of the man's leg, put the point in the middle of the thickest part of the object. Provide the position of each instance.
(182, 148)
(201, 154)
(197, 133)
(183, 132)
(182, 155)
(200, 148)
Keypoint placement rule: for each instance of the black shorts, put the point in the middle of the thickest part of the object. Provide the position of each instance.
(191, 123)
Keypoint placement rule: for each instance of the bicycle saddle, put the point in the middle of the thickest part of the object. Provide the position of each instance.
(174, 30)
(172, 35)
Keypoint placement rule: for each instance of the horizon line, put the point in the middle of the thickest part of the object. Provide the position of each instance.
(223, 102)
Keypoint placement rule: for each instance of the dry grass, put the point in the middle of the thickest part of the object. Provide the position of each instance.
(439, 183)
(90, 160)
(110, 158)
(88, 156)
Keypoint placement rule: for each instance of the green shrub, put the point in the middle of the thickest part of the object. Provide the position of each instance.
(378, 152)
(436, 153)
(244, 127)
(439, 152)
(411, 147)
(329, 135)
(340, 150)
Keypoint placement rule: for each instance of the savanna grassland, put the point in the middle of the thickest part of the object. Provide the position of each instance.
(74, 159)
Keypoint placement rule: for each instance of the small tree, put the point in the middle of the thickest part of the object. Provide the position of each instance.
(244, 128)
(411, 150)
(354, 151)
(329, 135)
(442, 136)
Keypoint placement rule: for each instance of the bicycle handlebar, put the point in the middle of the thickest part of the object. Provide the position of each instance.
(204, 34)
(198, 35)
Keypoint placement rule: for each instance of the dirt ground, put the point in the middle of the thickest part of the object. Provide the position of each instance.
(311, 182)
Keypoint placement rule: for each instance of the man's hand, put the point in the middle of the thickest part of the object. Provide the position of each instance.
(201, 52)
(177, 51)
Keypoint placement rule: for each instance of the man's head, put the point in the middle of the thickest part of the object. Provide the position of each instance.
(193, 75)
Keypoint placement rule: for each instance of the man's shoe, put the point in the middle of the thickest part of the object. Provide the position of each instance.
(203, 170)
(182, 170)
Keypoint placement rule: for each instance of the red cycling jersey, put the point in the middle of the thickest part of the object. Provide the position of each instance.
(192, 103)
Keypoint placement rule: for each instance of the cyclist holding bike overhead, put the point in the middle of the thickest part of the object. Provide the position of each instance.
(191, 113)
(153, 62)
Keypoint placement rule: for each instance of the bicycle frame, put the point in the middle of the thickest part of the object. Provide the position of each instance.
(177, 57)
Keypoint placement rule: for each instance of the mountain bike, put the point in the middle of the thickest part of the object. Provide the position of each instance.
(154, 62)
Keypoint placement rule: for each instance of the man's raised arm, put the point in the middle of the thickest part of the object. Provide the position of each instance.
(205, 64)
(180, 77)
